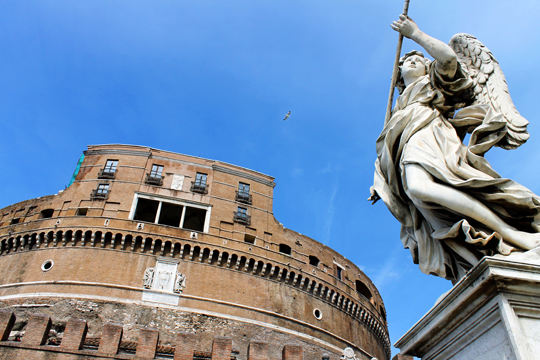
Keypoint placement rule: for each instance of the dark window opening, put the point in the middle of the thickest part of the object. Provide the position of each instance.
(383, 313)
(363, 290)
(194, 219)
(249, 238)
(339, 272)
(82, 211)
(47, 213)
(15, 221)
(285, 249)
(199, 185)
(146, 210)
(313, 260)
(170, 214)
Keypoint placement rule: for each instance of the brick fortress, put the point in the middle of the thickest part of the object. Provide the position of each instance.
(153, 254)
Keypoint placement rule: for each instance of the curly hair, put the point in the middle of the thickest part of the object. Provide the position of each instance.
(400, 82)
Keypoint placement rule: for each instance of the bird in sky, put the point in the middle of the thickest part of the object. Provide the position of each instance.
(287, 115)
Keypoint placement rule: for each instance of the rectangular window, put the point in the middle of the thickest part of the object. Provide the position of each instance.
(110, 166)
(109, 171)
(102, 191)
(146, 210)
(154, 177)
(241, 216)
(82, 211)
(242, 194)
(339, 272)
(199, 185)
(156, 171)
(168, 213)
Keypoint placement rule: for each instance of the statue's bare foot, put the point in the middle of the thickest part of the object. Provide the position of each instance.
(522, 239)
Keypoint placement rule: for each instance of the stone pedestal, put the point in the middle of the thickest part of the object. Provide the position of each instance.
(493, 313)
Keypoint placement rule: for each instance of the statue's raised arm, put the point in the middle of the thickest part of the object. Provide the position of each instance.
(453, 207)
(445, 56)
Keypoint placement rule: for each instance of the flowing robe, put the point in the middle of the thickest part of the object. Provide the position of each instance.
(420, 132)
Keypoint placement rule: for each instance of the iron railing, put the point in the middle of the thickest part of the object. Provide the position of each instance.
(243, 196)
(100, 194)
(154, 180)
(199, 187)
(242, 218)
(106, 173)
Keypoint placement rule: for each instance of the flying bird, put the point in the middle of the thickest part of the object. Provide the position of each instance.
(287, 115)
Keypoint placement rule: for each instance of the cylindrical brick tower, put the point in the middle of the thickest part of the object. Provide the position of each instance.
(145, 237)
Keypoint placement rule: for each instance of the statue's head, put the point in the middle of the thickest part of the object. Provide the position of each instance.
(412, 64)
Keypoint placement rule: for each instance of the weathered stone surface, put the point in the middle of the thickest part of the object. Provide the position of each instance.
(492, 314)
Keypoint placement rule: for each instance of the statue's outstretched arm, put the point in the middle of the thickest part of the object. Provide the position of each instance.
(445, 56)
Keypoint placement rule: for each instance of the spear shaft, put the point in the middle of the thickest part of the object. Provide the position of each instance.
(395, 71)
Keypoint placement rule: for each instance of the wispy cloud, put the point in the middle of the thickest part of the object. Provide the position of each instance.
(330, 167)
(330, 210)
(389, 272)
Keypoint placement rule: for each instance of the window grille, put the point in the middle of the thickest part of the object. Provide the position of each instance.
(199, 185)
(109, 171)
(242, 194)
(102, 192)
(241, 216)
(154, 176)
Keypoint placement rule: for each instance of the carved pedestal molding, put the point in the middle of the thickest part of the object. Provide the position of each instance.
(493, 313)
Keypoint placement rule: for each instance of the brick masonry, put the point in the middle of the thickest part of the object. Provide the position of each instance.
(73, 245)
(33, 344)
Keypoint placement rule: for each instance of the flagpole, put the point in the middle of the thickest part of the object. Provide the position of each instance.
(395, 71)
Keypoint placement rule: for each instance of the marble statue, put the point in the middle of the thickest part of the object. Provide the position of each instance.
(453, 207)
(348, 354)
(148, 278)
(179, 283)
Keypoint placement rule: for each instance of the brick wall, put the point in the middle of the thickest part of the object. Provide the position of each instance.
(73, 345)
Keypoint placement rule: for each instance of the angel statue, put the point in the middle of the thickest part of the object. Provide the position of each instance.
(453, 207)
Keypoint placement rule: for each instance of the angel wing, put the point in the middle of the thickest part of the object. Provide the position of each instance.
(490, 86)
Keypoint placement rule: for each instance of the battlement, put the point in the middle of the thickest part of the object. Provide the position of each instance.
(74, 341)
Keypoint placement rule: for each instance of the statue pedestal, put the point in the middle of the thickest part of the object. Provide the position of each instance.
(493, 313)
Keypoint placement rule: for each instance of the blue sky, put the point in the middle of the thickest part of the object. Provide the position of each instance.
(215, 79)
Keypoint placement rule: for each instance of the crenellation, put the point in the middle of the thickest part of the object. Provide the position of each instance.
(74, 335)
(7, 320)
(37, 330)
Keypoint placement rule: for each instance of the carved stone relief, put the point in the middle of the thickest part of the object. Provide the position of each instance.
(348, 354)
(177, 182)
(148, 278)
(180, 283)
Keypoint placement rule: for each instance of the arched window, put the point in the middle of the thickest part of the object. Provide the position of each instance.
(313, 260)
(363, 289)
(285, 249)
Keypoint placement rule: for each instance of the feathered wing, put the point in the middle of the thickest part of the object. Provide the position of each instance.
(490, 86)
